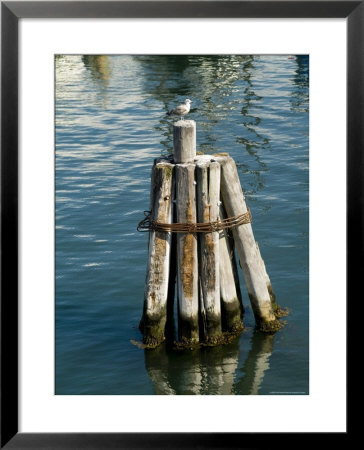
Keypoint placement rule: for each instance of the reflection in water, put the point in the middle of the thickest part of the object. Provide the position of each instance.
(216, 84)
(250, 103)
(99, 67)
(300, 95)
(209, 370)
(256, 364)
(222, 90)
(156, 362)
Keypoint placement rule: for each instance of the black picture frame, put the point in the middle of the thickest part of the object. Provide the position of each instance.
(11, 12)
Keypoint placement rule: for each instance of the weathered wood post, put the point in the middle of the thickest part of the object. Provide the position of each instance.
(208, 202)
(267, 280)
(234, 203)
(184, 141)
(170, 327)
(184, 138)
(231, 304)
(156, 286)
(185, 201)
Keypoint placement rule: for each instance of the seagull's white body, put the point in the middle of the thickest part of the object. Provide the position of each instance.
(181, 110)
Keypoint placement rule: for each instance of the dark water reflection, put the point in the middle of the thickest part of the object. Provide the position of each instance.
(299, 100)
(110, 123)
(251, 375)
(213, 371)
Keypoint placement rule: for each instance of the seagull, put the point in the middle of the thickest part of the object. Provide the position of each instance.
(181, 110)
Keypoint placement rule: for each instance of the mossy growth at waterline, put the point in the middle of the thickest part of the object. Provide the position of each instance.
(269, 327)
(153, 328)
(232, 314)
(272, 296)
(188, 329)
(224, 339)
(186, 344)
(152, 342)
(277, 310)
(280, 312)
(236, 328)
(211, 327)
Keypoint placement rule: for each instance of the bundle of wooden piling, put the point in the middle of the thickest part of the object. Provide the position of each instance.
(197, 217)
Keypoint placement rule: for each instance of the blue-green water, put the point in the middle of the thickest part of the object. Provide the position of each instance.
(110, 125)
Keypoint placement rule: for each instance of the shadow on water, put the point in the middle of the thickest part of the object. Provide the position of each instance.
(209, 370)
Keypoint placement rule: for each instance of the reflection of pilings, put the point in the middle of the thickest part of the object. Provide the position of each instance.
(174, 372)
(201, 371)
(98, 65)
(210, 370)
(156, 363)
(299, 95)
(186, 373)
(221, 364)
(256, 364)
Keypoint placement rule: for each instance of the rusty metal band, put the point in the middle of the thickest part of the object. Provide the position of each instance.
(148, 224)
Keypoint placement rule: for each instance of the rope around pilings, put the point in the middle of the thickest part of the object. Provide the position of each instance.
(148, 224)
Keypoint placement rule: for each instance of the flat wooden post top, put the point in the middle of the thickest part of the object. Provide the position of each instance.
(184, 141)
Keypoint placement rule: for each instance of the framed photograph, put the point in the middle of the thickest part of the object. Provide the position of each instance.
(116, 117)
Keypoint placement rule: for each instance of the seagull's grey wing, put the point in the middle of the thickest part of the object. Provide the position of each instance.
(181, 109)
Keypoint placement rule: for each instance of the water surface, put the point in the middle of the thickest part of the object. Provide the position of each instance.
(110, 125)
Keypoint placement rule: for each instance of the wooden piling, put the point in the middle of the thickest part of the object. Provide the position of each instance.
(156, 286)
(184, 141)
(208, 199)
(267, 280)
(231, 303)
(234, 203)
(187, 266)
(208, 290)
(170, 326)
